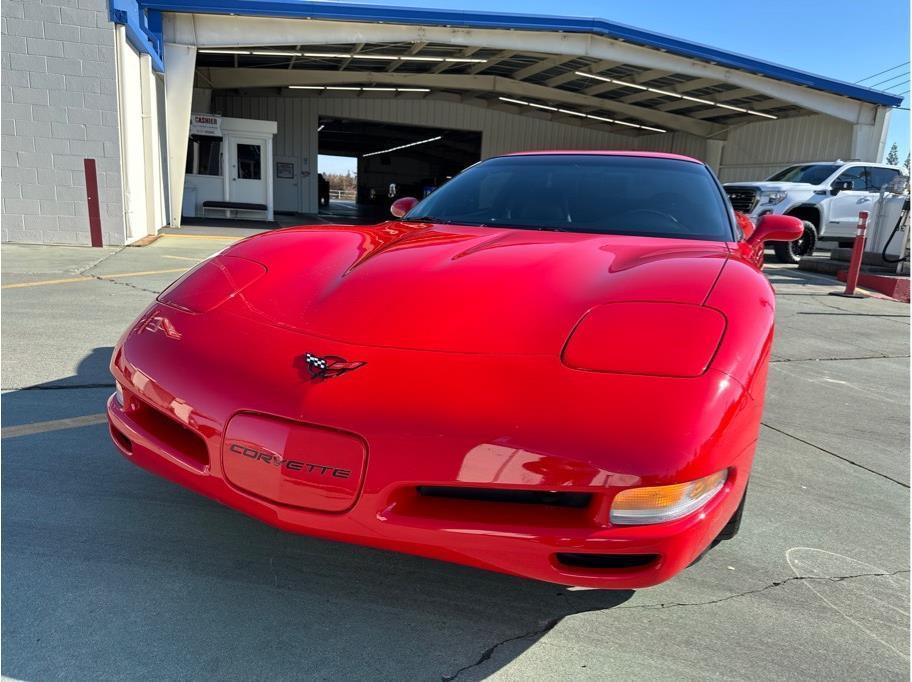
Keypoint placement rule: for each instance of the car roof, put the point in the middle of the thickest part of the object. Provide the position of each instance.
(854, 162)
(604, 152)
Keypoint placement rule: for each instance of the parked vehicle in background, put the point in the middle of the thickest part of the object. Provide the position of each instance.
(826, 196)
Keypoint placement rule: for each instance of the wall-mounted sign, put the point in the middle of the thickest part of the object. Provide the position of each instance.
(206, 124)
(284, 169)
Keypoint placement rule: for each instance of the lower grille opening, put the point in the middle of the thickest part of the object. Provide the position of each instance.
(605, 561)
(541, 497)
(121, 439)
(180, 440)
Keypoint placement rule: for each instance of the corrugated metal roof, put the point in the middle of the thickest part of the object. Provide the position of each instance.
(493, 20)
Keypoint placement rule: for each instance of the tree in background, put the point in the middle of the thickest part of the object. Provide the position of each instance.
(347, 183)
(893, 155)
(906, 164)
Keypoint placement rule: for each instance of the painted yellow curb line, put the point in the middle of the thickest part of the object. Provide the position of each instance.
(86, 278)
(53, 425)
(222, 237)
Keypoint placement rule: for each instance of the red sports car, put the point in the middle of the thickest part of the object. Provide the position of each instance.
(553, 366)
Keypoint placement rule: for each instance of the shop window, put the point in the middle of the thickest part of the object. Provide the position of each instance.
(204, 155)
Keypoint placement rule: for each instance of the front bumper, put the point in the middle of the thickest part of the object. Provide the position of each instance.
(451, 428)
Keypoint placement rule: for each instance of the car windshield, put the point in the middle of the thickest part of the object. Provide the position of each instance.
(604, 194)
(810, 174)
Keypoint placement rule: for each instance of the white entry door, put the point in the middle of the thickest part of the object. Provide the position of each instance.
(247, 170)
(287, 184)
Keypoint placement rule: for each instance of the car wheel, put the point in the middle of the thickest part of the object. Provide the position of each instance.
(791, 252)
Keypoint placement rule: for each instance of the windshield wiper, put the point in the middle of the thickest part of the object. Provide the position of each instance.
(431, 219)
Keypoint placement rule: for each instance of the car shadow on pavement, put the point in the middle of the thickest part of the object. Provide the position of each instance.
(111, 572)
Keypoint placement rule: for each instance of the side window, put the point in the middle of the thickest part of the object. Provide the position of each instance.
(204, 155)
(856, 176)
(878, 177)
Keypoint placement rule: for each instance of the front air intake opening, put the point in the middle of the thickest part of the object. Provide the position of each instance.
(540, 497)
(181, 441)
(606, 562)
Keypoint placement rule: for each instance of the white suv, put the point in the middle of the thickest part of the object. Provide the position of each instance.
(827, 196)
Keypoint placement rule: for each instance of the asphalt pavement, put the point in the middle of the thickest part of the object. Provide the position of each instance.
(109, 572)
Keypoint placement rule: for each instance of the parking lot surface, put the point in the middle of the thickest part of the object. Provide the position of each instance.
(110, 572)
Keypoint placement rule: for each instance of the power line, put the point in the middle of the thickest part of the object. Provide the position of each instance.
(902, 75)
(874, 75)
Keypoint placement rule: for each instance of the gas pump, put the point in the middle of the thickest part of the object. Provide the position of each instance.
(888, 231)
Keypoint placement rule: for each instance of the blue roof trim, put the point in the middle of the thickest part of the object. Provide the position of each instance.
(143, 29)
(534, 22)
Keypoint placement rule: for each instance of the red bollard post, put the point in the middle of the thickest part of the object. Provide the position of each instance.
(857, 254)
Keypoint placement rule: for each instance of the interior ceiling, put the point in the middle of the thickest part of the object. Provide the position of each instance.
(557, 73)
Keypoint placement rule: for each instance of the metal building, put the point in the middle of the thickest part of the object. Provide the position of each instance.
(116, 84)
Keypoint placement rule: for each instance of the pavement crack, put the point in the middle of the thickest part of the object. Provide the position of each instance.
(100, 261)
(837, 456)
(771, 586)
(861, 357)
(487, 653)
(102, 278)
(549, 625)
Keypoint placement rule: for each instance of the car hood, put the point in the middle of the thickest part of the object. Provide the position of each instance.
(766, 186)
(462, 289)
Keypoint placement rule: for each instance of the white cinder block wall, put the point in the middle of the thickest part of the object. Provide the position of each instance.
(59, 106)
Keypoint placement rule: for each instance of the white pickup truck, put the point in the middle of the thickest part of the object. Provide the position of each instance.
(827, 196)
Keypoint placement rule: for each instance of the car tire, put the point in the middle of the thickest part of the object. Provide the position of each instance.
(734, 523)
(792, 252)
(729, 531)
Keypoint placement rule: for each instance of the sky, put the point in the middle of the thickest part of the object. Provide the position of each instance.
(840, 39)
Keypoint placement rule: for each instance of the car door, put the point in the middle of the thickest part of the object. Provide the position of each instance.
(845, 206)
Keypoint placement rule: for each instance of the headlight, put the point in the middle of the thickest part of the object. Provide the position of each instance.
(774, 197)
(211, 283)
(660, 503)
(634, 338)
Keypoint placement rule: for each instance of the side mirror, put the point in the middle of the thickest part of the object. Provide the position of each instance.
(402, 206)
(777, 228)
(841, 185)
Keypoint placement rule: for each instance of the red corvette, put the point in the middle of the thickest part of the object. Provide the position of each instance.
(553, 366)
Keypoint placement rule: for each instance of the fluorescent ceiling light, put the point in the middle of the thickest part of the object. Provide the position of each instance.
(367, 55)
(356, 88)
(668, 93)
(320, 127)
(402, 146)
(225, 51)
(389, 57)
(580, 114)
(275, 53)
